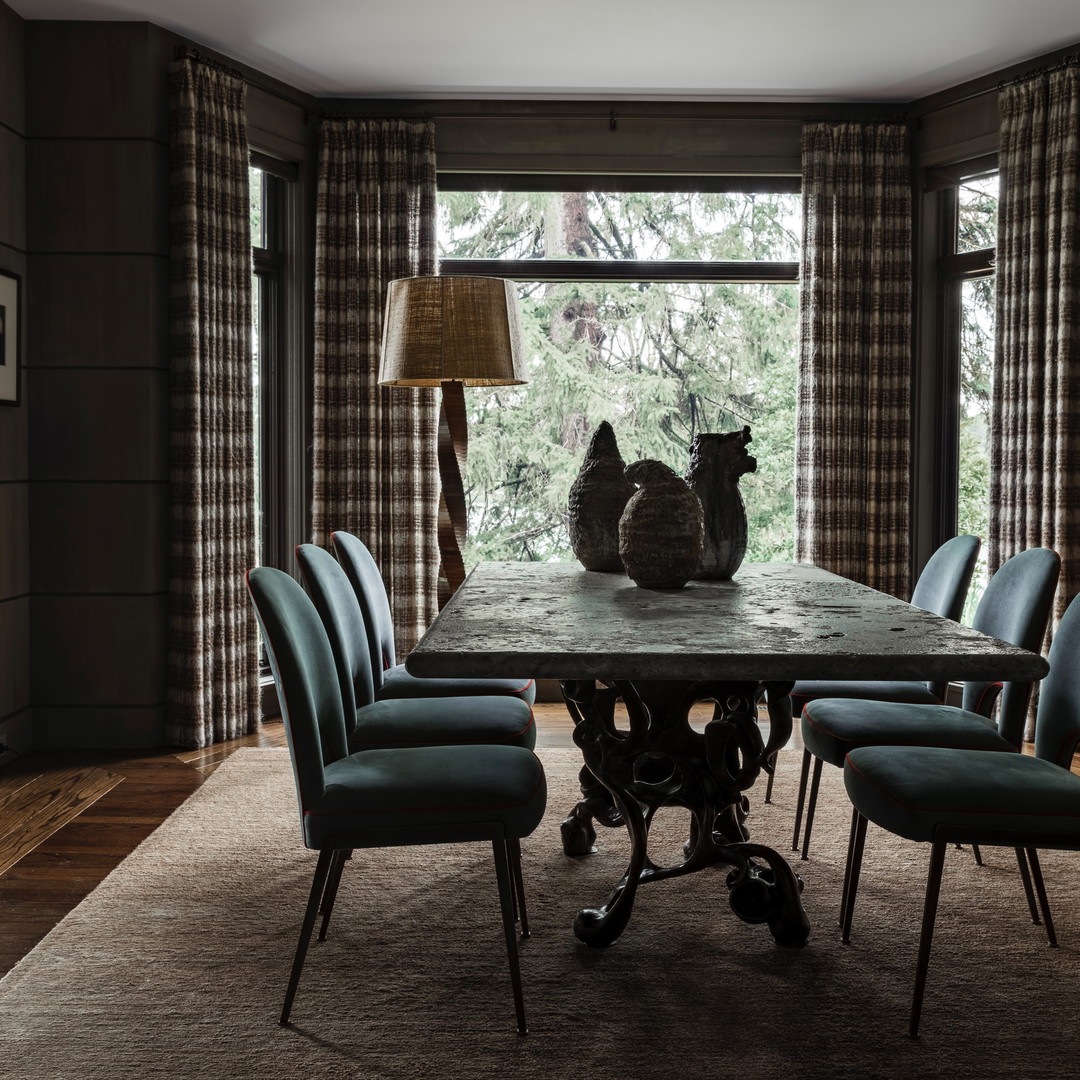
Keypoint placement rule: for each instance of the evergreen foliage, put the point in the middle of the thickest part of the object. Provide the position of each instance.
(659, 361)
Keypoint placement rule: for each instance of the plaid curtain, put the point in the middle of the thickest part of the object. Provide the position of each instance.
(1035, 399)
(375, 448)
(854, 394)
(213, 684)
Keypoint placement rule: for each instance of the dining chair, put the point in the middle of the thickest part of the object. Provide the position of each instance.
(385, 797)
(390, 678)
(946, 795)
(1015, 608)
(411, 721)
(942, 588)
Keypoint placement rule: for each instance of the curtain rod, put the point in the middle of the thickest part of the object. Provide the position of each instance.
(187, 52)
(612, 116)
(1069, 60)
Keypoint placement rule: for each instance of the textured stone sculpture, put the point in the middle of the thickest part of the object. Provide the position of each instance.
(597, 499)
(716, 463)
(660, 532)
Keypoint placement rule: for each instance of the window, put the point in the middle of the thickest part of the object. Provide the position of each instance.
(272, 185)
(667, 313)
(969, 235)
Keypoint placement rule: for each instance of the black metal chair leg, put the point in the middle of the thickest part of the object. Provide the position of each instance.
(506, 902)
(804, 776)
(330, 892)
(1040, 889)
(851, 877)
(847, 866)
(772, 776)
(521, 913)
(318, 884)
(811, 806)
(977, 853)
(926, 939)
(1025, 878)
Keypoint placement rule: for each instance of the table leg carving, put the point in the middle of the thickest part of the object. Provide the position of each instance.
(662, 761)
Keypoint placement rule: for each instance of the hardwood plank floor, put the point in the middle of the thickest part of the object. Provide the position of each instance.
(68, 818)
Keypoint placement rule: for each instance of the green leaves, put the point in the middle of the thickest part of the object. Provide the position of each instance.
(659, 361)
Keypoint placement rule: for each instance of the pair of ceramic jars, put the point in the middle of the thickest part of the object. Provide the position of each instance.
(660, 528)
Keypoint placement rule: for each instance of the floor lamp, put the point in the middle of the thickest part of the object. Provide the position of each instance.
(452, 332)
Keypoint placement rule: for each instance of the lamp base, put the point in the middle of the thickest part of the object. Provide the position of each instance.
(453, 447)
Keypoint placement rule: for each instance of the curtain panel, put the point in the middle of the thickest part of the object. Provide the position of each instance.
(375, 448)
(1035, 402)
(213, 676)
(852, 453)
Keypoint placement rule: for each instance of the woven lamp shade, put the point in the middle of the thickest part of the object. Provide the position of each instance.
(452, 329)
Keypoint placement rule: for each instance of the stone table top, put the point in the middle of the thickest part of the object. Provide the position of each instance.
(772, 622)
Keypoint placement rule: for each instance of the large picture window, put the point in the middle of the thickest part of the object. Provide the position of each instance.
(666, 313)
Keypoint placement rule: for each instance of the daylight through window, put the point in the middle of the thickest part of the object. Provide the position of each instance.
(665, 313)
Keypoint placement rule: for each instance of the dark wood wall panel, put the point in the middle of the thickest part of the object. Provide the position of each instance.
(12, 68)
(113, 728)
(99, 79)
(708, 143)
(104, 650)
(13, 185)
(99, 424)
(98, 196)
(98, 237)
(15, 648)
(95, 288)
(15, 729)
(14, 540)
(120, 527)
(14, 452)
(957, 132)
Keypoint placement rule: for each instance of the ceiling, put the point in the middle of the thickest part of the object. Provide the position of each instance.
(685, 50)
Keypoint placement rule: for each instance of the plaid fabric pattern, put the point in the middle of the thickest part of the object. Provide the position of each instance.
(375, 448)
(1035, 398)
(213, 676)
(852, 471)
(1035, 417)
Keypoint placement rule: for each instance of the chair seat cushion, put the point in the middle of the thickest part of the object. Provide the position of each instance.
(436, 721)
(912, 693)
(427, 794)
(926, 793)
(832, 727)
(398, 683)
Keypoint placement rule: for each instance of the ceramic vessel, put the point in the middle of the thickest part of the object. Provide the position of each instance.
(716, 463)
(660, 532)
(597, 499)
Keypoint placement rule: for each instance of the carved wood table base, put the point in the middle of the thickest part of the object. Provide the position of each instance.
(662, 761)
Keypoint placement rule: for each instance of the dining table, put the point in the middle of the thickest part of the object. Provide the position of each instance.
(633, 663)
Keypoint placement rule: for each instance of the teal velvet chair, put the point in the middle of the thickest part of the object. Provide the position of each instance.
(941, 795)
(503, 719)
(385, 797)
(390, 678)
(942, 588)
(1015, 607)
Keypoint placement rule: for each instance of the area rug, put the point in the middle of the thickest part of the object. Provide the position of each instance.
(176, 964)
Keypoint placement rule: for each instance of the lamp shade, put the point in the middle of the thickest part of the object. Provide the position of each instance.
(452, 329)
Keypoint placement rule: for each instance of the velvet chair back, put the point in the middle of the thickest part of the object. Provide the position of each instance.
(303, 667)
(1015, 607)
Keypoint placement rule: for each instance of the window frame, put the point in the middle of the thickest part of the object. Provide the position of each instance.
(659, 270)
(953, 269)
(281, 357)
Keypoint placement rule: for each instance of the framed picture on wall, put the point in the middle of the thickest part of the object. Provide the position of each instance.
(9, 338)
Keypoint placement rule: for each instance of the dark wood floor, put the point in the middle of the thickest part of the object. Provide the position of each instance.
(67, 818)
